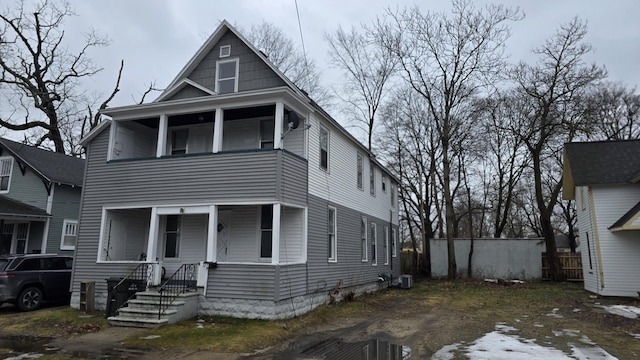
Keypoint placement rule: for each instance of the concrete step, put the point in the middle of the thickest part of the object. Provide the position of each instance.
(133, 322)
(152, 304)
(134, 313)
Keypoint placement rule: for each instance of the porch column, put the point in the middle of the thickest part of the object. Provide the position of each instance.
(217, 130)
(277, 128)
(212, 234)
(152, 243)
(162, 135)
(275, 235)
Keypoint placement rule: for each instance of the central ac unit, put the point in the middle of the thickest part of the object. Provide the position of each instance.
(406, 281)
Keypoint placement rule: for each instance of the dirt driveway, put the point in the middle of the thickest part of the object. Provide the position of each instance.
(424, 321)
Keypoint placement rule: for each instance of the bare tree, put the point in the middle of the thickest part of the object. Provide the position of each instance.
(288, 58)
(367, 68)
(40, 76)
(448, 61)
(614, 111)
(554, 87)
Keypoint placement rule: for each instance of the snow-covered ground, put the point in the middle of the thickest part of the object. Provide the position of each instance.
(503, 343)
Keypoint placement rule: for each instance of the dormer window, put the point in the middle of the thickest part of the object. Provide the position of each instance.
(227, 75)
(6, 164)
(225, 51)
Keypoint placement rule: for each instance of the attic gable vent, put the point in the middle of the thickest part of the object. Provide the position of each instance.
(225, 51)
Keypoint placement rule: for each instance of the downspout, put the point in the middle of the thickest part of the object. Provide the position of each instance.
(596, 236)
(45, 232)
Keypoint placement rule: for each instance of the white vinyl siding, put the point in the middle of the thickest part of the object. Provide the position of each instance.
(617, 251)
(69, 234)
(333, 185)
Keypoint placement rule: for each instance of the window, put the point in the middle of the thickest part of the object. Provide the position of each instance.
(69, 234)
(363, 238)
(332, 230)
(172, 236)
(393, 195)
(266, 230)
(372, 179)
(374, 241)
(266, 134)
(324, 148)
(384, 183)
(394, 242)
(360, 166)
(179, 139)
(227, 75)
(385, 245)
(6, 164)
(225, 51)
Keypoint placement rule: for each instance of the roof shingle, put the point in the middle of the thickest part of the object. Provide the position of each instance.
(604, 162)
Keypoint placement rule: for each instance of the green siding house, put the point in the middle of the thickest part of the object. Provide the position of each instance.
(39, 199)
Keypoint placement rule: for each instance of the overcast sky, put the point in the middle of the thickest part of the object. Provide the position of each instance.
(156, 38)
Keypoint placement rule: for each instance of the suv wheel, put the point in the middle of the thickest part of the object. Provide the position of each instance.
(30, 299)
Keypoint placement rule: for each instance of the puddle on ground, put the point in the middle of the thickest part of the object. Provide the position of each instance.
(27, 347)
(362, 350)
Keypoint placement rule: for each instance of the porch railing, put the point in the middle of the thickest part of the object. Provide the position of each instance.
(127, 287)
(183, 280)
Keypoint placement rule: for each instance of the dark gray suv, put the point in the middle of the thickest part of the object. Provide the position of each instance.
(27, 280)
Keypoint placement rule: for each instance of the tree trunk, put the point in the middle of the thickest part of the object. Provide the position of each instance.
(452, 268)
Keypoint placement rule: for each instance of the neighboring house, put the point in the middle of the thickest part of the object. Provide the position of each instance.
(39, 199)
(236, 170)
(604, 180)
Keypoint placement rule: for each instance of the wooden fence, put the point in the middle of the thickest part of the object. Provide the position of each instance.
(571, 266)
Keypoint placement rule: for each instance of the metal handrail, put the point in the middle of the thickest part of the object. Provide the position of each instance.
(135, 278)
(183, 280)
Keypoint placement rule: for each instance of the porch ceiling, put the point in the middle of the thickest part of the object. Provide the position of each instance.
(14, 208)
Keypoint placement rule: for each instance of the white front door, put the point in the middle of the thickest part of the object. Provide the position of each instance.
(223, 229)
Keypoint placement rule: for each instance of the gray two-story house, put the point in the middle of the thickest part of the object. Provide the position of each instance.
(39, 199)
(236, 173)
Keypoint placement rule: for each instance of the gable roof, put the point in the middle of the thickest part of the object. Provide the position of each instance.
(208, 45)
(50, 166)
(627, 220)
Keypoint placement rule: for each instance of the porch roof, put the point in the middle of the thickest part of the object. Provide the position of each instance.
(14, 208)
(626, 222)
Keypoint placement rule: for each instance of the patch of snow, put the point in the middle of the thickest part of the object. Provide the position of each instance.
(446, 353)
(637, 336)
(150, 337)
(630, 312)
(504, 328)
(576, 310)
(538, 325)
(554, 313)
(25, 356)
(566, 332)
(590, 353)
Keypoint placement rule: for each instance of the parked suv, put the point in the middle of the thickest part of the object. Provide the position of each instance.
(27, 280)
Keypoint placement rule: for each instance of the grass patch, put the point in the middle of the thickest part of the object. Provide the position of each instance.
(53, 322)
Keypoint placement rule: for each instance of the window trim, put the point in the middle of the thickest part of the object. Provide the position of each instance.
(374, 244)
(385, 245)
(63, 234)
(360, 171)
(372, 179)
(10, 159)
(332, 241)
(261, 230)
(320, 149)
(364, 243)
(394, 243)
(218, 79)
(225, 51)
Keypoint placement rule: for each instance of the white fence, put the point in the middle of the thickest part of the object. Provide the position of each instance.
(492, 258)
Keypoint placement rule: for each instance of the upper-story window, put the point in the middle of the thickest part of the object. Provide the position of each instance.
(359, 166)
(227, 75)
(266, 134)
(384, 183)
(374, 243)
(372, 179)
(324, 148)
(363, 239)
(6, 165)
